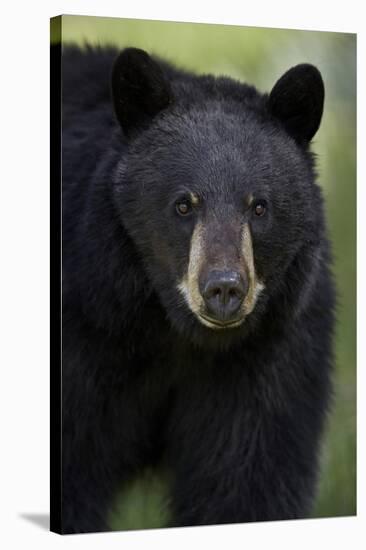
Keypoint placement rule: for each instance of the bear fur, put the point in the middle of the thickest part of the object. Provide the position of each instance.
(235, 415)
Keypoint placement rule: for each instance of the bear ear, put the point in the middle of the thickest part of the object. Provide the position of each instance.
(297, 100)
(139, 88)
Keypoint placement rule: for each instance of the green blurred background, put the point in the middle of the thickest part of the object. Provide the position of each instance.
(260, 56)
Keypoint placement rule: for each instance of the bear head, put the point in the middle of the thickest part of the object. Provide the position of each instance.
(217, 191)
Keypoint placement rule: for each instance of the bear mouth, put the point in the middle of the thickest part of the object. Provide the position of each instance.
(219, 325)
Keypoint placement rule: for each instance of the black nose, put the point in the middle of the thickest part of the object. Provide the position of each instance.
(223, 293)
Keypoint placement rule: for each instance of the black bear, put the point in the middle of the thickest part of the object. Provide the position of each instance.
(197, 293)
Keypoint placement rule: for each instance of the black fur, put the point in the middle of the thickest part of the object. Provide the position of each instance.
(139, 88)
(297, 100)
(235, 415)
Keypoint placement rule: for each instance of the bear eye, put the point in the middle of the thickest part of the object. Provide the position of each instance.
(183, 207)
(259, 208)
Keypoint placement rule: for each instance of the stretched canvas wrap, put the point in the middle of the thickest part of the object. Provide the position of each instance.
(203, 200)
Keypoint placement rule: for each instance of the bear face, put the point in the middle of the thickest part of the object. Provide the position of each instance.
(223, 179)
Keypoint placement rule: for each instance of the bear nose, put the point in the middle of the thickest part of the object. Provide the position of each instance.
(223, 293)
